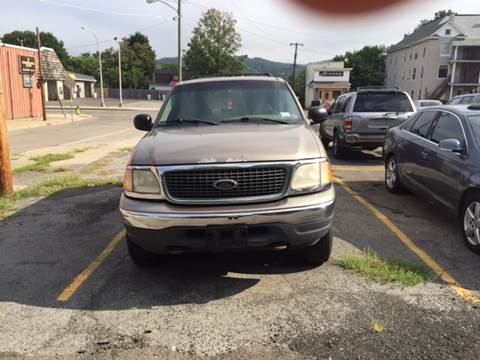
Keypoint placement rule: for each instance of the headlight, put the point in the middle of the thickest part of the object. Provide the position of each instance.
(141, 183)
(312, 176)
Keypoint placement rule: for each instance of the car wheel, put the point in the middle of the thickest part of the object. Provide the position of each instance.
(392, 178)
(471, 223)
(338, 148)
(319, 253)
(140, 256)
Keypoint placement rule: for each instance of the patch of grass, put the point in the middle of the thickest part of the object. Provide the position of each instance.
(386, 271)
(127, 149)
(51, 187)
(43, 162)
(60, 170)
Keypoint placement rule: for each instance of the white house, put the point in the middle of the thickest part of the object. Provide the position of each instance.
(326, 81)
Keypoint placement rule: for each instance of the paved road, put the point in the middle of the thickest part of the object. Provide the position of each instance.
(236, 306)
(98, 129)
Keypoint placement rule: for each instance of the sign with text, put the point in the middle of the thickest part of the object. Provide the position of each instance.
(27, 64)
(331, 73)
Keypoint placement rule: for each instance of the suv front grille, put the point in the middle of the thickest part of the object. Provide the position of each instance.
(203, 184)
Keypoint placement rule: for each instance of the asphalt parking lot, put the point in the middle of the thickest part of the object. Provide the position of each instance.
(69, 291)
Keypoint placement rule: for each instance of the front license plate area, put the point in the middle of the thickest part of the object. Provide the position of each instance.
(227, 237)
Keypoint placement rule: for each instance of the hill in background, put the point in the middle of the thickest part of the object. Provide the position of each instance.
(259, 64)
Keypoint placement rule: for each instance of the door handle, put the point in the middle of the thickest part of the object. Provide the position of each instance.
(424, 154)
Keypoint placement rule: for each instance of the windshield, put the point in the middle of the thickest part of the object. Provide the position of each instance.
(382, 102)
(228, 101)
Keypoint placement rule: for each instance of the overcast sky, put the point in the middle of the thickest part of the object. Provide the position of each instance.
(267, 26)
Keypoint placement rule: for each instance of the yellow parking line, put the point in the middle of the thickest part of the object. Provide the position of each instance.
(358, 168)
(442, 273)
(71, 289)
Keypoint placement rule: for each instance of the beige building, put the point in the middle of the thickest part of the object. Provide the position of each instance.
(438, 60)
(326, 81)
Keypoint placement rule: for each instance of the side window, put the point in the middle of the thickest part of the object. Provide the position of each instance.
(448, 127)
(455, 101)
(407, 125)
(338, 105)
(423, 124)
(467, 100)
(346, 103)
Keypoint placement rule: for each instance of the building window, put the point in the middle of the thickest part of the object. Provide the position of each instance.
(420, 94)
(448, 32)
(416, 56)
(396, 59)
(414, 73)
(394, 76)
(443, 72)
(410, 56)
(445, 47)
(409, 74)
(421, 74)
(405, 58)
(27, 80)
(413, 93)
(424, 51)
(403, 75)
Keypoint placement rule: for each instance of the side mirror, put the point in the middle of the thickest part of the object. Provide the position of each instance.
(143, 122)
(452, 145)
(318, 114)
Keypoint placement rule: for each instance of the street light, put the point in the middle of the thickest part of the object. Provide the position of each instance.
(99, 62)
(120, 71)
(178, 10)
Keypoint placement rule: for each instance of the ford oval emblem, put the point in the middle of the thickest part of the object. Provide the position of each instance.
(225, 184)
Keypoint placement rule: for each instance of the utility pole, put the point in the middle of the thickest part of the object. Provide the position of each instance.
(6, 181)
(180, 54)
(178, 10)
(120, 73)
(40, 75)
(295, 61)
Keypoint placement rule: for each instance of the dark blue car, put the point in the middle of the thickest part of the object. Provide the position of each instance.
(436, 153)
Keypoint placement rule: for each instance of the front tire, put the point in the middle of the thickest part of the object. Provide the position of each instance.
(471, 223)
(140, 256)
(319, 253)
(323, 138)
(339, 150)
(392, 177)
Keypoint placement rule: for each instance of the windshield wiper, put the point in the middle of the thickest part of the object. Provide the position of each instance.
(194, 121)
(254, 118)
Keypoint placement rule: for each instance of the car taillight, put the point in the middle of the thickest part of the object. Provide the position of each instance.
(348, 123)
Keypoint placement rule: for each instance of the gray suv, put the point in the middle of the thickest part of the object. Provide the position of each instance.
(230, 163)
(360, 120)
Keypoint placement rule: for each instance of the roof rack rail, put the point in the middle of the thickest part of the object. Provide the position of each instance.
(378, 88)
(230, 75)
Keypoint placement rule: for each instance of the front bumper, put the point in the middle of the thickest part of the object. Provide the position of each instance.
(295, 221)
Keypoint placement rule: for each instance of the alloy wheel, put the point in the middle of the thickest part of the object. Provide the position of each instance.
(471, 223)
(391, 174)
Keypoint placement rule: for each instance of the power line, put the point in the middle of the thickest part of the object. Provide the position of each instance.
(102, 11)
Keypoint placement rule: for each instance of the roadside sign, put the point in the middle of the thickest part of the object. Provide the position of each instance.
(27, 64)
(69, 82)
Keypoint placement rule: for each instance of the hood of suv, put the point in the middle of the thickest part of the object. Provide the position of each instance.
(227, 143)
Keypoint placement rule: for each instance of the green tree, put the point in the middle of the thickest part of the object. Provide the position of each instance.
(28, 39)
(368, 65)
(213, 45)
(85, 64)
(299, 86)
(138, 61)
(444, 13)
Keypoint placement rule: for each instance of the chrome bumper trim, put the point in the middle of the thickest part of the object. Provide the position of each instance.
(289, 215)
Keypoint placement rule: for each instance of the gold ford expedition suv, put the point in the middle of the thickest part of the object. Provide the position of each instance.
(230, 163)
